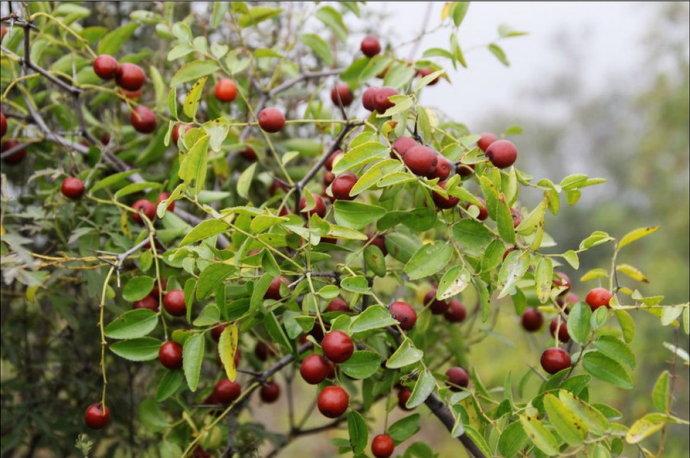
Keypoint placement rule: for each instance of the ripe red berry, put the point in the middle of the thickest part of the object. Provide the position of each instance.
(532, 319)
(96, 416)
(164, 195)
(105, 66)
(456, 312)
(130, 77)
(17, 156)
(170, 355)
(143, 120)
(555, 360)
(457, 378)
(270, 392)
(402, 145)
(225, 391)
(422, 72)
(177, 130)
(263, 351)
(403, 395)
(149, 302)
(332, 159)
(337, 346)
(444, 202)
(217, 330)
(485, 140)
(438, 307)
(173, 302)
(319, 206)
(337, 305)
(382, 101)
(333, 401)
(271, 119)
(144, 206)
(502, 153)
(370, 46)
(3, 124)
(225, 90)
(341, 95)
(342, 185)
(562, 327)
(369, 98)
(72, 187)
(404, 314)
(443, 168)
(598, 297)
(380, 242)
(421, 160)
(273, 291)
(382, 446)
(248, 153)
(315, 369)
(328, 178)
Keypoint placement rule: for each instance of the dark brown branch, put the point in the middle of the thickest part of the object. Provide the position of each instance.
(441, 411)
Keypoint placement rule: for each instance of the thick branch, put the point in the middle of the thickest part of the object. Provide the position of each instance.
(441, 411)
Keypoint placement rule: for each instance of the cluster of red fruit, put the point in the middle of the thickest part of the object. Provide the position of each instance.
(556, 359)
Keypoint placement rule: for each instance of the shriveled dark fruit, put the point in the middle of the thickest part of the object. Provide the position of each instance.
(341, 95)
(263, 351)
(443, 168)
(72, 187)
(271, 119)
(96, 416)
(130, 77)
(170, 355)
(382, 446)
(337, 346)
(105, 66)
(328, 178)
(217, 330)
(517, 216)
(277, 185)
(370, 46)
(338, 305)
(143, 119)
(485, 140)
(444, 202)
(403, 395)
(421, 160)
(464, 170)
(273, 291)
(531, 319)
(562, 327)
(270, 392)
(381, 99)
(332, 159)
(248, 153)
(456, 378)
(3, 124)
(225, 90)
(422, 72)
(144, 206)
(456, 312)
(164, 195)
(555, 360)
(401, 145)
(225, 391)
(342, 185)
(333, 401)
(319, 207)
(149, 302)
(437, 307)
(598, 297)
(173, 302)
(404, 314)
(17, 156)
(562, 280)
(502, 153)
(104, 138)
(315, 369)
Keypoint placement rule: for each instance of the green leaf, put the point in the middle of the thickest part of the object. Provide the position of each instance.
(512, 440)
(512, 270)
(203, 230)
(361, 365)
(169, 384)
(258, 14)
(356, 284)
(607, 369)
(472, 235)
(661, 392)
(374, 317)
(375, 174)
(579, 326)
(594, 274)
(401, 246)
(276, 331)
(191, 100)
(404, 428)
(627, 325)
(360, 155)
(594, 239)
(357, 430)
(636, 234)
(569, 426)
(132, 324)
(540, 436)
(245, 181)
(596, 422)
(193, 71)
(136, 187)
(572, 258)
(453, 282)
(356, 215)
(143, 349)
(208, 316)
(615, 349)
(113, 40)
(319, 46)
(543, 278)
(193, 165)
(632, 272)
(459, 12)
(212, 276)
(405, 355)
(428, 260)
(504, 221)
(646, 426)
(498, 52)
(137, 288)
(422, 389)
(333, 20)
(192, 357)
(111, 180)
(375, 260)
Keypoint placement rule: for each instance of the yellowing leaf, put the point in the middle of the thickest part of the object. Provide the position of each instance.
(191, 101)
(636, 234)
(632, 272)
(227, 347)
(594, 274)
